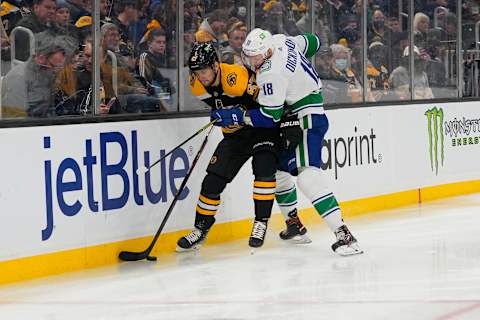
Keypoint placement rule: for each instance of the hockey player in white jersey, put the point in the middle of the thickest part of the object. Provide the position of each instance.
(290, 87)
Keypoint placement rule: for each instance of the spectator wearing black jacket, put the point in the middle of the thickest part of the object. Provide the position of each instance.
(41, 19)
(128, 13)
(152, 61)
(77, 9)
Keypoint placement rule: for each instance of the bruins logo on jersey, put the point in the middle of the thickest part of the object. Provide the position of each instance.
(232, 79)
(213, 159)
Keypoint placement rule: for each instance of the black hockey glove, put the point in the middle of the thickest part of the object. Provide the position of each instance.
(290, 132)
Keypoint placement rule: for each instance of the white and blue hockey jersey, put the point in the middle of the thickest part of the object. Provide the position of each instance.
(289, 78)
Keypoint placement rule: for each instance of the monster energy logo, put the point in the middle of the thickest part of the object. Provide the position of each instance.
(435, 129)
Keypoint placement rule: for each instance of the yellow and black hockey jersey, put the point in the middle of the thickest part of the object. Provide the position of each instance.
(237, 87)
(10, 15)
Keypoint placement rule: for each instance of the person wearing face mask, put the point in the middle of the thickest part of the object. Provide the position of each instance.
(341, 79)
(378, 31)
(377, 72)
(41, 73)
(29, 88)
(277, 19)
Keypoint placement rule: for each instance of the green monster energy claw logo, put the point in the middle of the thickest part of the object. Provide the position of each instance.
(435, 129)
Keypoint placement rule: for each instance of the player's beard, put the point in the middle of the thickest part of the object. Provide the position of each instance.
(211, 82)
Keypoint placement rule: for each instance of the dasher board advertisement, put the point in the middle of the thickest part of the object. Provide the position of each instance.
(74, 186)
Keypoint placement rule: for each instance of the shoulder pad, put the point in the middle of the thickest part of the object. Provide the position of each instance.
(234, 79)
(197, 88)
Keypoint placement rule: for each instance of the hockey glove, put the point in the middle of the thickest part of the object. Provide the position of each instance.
(290, 132)
(228, 117)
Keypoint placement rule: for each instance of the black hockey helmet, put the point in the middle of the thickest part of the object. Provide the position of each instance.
(202, 55)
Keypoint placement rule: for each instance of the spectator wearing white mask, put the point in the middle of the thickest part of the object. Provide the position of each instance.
(341, 82)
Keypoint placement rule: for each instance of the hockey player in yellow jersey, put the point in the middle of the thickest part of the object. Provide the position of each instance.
(223, 87)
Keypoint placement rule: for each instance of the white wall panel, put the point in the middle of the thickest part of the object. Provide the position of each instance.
(369, 152)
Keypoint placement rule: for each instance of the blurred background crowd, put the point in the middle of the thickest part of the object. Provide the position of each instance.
(47, 50)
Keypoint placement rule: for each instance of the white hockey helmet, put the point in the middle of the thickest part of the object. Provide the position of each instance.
(258, 42)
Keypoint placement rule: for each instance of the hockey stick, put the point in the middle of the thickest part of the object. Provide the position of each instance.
(135, 256)
(144, 169)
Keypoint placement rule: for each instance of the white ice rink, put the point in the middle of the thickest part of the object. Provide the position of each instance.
(420, 263)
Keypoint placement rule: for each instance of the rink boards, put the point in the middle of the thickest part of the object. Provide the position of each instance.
(70, 197)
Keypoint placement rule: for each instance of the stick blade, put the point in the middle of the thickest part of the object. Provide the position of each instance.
(132, 256)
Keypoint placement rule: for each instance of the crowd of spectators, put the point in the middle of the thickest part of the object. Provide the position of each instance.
(387, 68)
(51, 57)
(139, 49)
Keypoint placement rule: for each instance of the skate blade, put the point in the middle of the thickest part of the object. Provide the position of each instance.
(253, 250)
(299, 239)
(349, 250)
(182, 250)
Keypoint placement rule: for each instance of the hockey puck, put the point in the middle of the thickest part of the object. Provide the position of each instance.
(151, 258)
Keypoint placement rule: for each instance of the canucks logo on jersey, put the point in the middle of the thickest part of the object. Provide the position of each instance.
(267, 65)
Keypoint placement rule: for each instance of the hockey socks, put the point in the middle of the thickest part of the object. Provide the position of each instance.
(263, 196)
(312, 183)
(327, 207)
(207, 205)
(286, 199)
(206, 209)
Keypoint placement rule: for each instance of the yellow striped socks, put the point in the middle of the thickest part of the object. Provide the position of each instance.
(207, 206)
(264, 190)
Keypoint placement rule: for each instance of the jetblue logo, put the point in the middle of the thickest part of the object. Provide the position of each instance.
(75, 177)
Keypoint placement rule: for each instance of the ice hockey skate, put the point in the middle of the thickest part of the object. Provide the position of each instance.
(192, 241)
(259, 231)
(346, 244)
(295, 231)
(195, 239)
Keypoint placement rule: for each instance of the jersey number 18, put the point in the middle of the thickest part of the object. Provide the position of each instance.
(267, 89)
